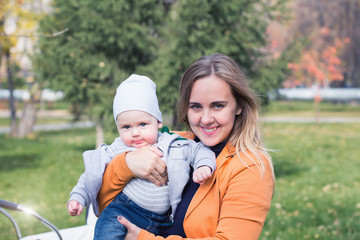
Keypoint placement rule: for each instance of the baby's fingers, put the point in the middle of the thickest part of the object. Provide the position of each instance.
(74, 208)
(198, 178)
(201, 174)
(80, 209)
(72, 211)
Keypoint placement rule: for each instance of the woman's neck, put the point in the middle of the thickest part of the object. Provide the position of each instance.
(217, 148)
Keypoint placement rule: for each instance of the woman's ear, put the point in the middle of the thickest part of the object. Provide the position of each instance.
(238, 111)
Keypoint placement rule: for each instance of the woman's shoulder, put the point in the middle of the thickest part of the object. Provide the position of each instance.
(185, 134)
(243, 160)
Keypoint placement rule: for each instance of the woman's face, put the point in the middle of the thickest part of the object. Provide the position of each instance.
(212, 110)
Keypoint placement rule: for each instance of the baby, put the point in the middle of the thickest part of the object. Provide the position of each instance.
(138, 118)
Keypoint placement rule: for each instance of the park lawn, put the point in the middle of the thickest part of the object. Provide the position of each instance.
(309, 109)
(316, 165)
(317, 185)
(39, 173)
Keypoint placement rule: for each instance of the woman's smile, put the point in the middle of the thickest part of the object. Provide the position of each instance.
(209, 130)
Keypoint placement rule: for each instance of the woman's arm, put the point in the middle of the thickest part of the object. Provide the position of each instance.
(144, 163)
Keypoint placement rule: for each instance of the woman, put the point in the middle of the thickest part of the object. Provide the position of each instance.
(221, 111)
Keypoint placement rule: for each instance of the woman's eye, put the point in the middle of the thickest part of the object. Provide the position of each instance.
(218, 106)
(194, 106)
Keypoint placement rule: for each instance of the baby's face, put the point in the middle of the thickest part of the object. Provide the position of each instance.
(137, 128)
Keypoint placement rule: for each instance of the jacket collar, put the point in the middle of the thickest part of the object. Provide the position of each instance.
(226, 154)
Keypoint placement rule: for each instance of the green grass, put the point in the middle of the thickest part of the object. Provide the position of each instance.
(307, 108)
(40, 173)
(317, 186)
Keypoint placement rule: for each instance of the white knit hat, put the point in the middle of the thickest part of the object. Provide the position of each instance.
(137, 93)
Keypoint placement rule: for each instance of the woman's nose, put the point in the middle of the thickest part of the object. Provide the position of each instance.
(206, 117)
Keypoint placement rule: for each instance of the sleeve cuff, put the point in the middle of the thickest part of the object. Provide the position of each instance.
(121, 162)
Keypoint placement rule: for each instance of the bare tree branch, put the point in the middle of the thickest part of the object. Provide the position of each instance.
(34, 36)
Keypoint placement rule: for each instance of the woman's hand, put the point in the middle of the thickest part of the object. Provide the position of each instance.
(146, 163)
(133, 230)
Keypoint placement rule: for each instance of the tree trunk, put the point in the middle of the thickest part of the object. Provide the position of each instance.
(28, 118)
(1, 59)
(13, 125)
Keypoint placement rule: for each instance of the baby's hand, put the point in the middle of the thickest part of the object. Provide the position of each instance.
(201, 174)
(74, 208)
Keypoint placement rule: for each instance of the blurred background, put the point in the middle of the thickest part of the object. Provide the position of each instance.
(62, 60)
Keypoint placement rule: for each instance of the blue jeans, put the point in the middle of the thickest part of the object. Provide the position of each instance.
(107, 226)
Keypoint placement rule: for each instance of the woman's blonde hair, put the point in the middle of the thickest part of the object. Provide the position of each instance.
(245, 135)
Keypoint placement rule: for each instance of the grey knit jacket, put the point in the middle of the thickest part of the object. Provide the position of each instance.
(177, 152)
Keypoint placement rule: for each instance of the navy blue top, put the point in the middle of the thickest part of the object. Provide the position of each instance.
(188, 193)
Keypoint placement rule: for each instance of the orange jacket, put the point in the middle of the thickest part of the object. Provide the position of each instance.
(232, 205)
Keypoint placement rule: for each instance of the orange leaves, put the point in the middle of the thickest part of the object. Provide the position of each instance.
(320, 62)
(324, 31)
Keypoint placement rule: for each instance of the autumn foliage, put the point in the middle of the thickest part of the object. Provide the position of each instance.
(319, 62)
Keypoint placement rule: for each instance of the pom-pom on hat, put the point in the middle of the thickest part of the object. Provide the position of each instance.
(137, 93)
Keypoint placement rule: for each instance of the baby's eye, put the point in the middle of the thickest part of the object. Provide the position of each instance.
(143, 124)
(126, 127)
